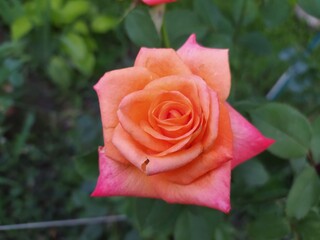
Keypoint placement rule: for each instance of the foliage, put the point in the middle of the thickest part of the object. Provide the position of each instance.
(53, 51)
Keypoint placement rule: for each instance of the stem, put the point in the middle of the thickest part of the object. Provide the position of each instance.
(311, 160)
(296, 235)
(128, 10)
(313, 163)
(165, 37)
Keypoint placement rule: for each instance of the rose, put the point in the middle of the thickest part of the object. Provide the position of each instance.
(156, 2)
(169, 132)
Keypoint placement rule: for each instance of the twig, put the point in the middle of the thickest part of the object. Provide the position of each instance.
(64, 223)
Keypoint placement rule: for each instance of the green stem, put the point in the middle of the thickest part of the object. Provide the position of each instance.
(128, 10)
(165, 37)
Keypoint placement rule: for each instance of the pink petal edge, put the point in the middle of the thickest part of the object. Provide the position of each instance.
(210, 190)
(117, 179)
(248, 141)
(156, 2)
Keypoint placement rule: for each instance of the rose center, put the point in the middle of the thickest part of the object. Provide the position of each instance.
(170, 114)
(170, 110)
(174, 114)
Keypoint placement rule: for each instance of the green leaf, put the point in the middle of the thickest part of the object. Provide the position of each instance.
(244, 11)
(12, 64)
(140, 28)
(59, 72)
(315, 141)
(77, 48)
(20, 27)
(213, 16)
(309, 227)
(303, 194)
(216, 223)
(102, 23)
(37, 11)
(81, 27)
(16, 79)
(275, 12)
(298, 164)
(11, 10)
(311, 6)
(180, 24)
(72, 10)
(9, 182)
(290, 129)
(86, 64)
(256, 43)
(216, 40)
(154, 217)
(252, 173)
(74, 45)
(268, 226)
(22, 137)
(56, 5)
(190, 226)
(87, 165)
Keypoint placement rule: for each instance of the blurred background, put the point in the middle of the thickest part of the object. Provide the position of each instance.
(52, 52)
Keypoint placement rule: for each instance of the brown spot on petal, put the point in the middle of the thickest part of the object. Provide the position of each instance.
(144, 165)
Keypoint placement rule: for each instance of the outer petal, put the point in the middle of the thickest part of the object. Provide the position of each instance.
(114, 86)
(117, 179)
(211, 190)
(155, 2)
(111, 89)
(248, 140)
(161, 61)
(210, 64)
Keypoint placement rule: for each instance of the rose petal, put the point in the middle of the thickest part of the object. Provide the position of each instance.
(114, 86)
(178, 146)
(211, 131)
(159, 164)
(129, 148)
(117, 179)
(149, 163)
(134, 109)
(211, 190)
(177, 132)
(163, 62)
(190, 86)
(221, 152)
(210, 64)
(248, 140)
(170, 139)
(110, 150)
(111, 88)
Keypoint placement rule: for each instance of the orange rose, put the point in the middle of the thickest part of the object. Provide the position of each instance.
(169, 132)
